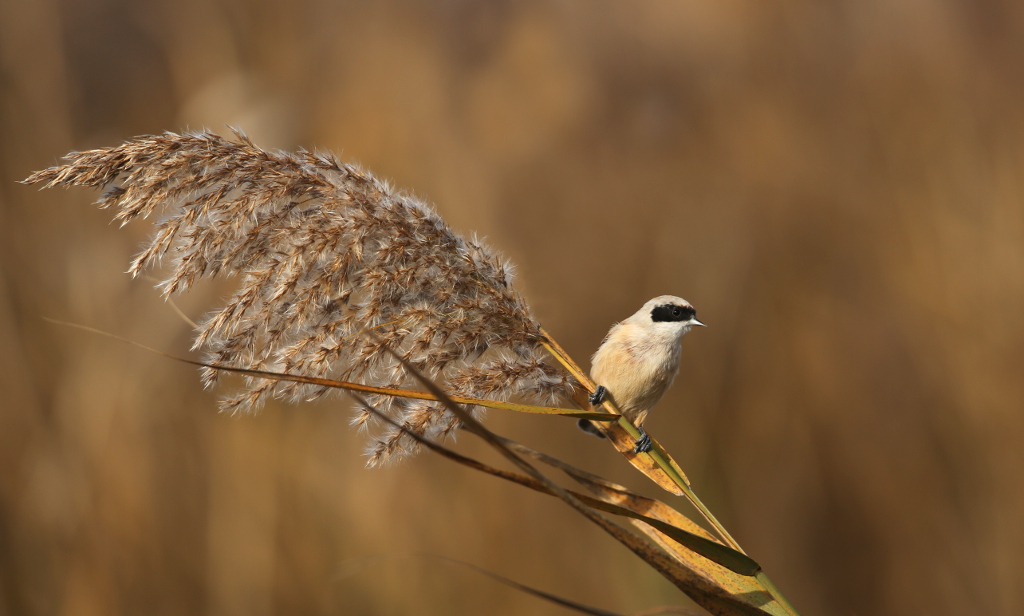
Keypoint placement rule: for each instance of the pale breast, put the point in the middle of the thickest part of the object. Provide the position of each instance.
(636, 372)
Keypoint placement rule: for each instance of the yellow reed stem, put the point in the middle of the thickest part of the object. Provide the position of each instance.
(665, 463)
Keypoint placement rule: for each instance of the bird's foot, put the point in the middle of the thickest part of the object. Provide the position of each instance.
(643, 444)
(598, 396)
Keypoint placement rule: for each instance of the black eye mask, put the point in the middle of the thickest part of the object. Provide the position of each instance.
(672, 313)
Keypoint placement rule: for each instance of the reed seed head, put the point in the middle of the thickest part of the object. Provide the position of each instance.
(335, 268)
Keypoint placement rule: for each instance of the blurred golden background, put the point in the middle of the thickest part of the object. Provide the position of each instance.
(837, 187)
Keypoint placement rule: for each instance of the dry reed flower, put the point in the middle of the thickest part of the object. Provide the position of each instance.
(335, 267)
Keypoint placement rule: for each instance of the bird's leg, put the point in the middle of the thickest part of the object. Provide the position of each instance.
(643, 444)
(598, 396)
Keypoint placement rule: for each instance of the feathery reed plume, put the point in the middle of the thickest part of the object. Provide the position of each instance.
(336, 266)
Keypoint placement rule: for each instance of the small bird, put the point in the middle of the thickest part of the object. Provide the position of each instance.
(639, 359)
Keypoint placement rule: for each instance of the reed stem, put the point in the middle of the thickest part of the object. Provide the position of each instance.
(666, 464)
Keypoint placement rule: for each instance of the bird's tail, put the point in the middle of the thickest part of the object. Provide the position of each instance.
(588, 426)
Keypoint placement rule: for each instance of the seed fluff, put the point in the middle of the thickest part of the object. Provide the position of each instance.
(335, 268)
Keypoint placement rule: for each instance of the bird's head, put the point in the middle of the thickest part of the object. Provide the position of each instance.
(670, 314)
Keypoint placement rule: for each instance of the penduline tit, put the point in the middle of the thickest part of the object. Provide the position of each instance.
(638, 360)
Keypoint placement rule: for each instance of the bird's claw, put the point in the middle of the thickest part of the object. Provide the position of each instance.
(598, 396)
(643, 444)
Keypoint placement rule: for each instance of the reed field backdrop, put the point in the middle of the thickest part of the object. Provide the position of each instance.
(837, 188)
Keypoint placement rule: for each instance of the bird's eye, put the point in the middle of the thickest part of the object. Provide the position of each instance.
(677, 311)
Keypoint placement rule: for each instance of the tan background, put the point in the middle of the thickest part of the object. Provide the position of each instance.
(837, 187)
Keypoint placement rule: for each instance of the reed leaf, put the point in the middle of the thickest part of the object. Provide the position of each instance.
(698, 542)
(704, 590)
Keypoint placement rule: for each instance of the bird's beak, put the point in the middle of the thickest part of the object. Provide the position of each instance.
(696, 322)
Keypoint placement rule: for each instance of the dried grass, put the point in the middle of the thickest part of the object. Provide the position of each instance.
(347, 284)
